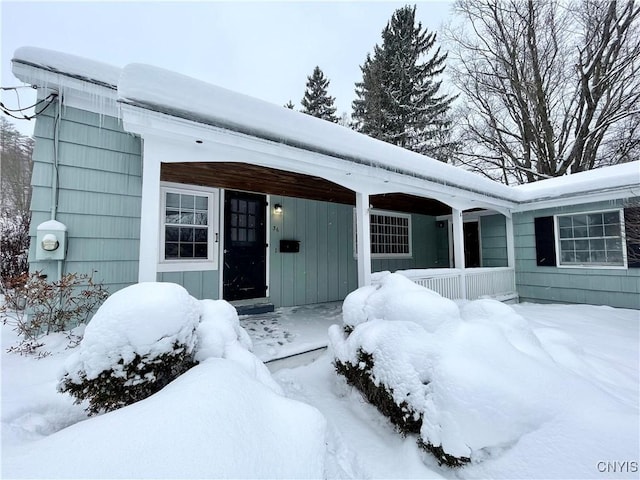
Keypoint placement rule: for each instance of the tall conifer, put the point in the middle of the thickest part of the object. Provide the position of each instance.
(398, 99)
(316, 100)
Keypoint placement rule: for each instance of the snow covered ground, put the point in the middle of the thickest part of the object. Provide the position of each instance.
(215, 415)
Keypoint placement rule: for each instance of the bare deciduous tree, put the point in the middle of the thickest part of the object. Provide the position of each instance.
(551, 87)
(16, 165)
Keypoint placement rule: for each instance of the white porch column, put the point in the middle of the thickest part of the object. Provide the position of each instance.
(363, 233)
(149, 216)
(511, 250)
(458, 249)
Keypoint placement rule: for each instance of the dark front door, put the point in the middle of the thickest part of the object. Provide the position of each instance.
(245, 247)
(471, 244)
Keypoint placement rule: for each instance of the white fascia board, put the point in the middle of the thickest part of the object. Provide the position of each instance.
(218, 144)
(76, 93)
(579, 199)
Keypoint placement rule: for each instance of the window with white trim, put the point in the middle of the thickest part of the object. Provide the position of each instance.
(591, 239)
(390, 234)
(187, 237)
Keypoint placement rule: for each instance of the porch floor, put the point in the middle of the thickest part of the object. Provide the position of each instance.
(291, 331)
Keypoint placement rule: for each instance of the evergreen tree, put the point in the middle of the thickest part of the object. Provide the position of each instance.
(316, 100)
(289, 105)
(398, 100)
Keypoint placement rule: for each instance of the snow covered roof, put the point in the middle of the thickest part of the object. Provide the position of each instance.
(171, 93)
(69, 65)
(598, 180)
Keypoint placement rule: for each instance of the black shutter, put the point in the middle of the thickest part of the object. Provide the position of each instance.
(632, 230)
(545, 242)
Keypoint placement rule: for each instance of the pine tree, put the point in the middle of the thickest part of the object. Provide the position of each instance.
(316, 100)
(289, 105)
(398, 100)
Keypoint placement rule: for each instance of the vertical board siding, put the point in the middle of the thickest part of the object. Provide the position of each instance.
(493, 233)
(599, 286)
(200, 284)
(324, 269)
(99, 190)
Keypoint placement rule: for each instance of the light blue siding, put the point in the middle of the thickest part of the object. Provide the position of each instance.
(599, 286)
(98, 195)
(204, 284)
(493, 238)
(324, 269)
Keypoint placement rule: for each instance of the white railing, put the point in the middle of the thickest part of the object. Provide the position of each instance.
(499, 282)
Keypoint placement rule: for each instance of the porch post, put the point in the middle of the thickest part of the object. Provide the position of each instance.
(363, 231)
(149, 216)
(511, 251)
(458, 249)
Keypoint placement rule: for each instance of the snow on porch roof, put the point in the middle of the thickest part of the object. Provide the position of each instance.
(178, 95)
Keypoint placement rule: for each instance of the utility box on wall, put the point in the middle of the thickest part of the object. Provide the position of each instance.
(51, 241)
(289, 246)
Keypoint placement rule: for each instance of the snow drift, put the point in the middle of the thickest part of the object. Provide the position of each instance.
(223, 418)
(475, 377)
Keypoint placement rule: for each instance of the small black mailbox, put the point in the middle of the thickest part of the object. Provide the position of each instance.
(289, 246)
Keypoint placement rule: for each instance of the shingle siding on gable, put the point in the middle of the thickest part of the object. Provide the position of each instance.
(99, 195)
(598, 286)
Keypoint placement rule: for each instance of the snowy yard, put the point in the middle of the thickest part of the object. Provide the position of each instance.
(224, 419)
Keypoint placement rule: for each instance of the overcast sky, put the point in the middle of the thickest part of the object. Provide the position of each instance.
(264, 49)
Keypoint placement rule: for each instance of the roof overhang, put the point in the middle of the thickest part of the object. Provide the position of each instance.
(94, 87)
(187, 140)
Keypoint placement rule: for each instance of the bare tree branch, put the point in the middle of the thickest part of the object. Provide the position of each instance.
(551, 88)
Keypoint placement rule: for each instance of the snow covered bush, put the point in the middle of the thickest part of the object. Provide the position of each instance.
(469, 380)
(139, 340)
(145, 336)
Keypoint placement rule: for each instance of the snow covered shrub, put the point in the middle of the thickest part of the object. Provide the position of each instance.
(471, 381)
(360, 376)
(139, 340)
(14, 251)
(40, 307)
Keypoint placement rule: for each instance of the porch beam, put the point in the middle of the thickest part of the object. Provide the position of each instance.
(149, 215)
(363, 230)
(458, 249)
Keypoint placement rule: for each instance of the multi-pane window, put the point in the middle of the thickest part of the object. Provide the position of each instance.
(186, 226)
(243, 221)
(390, 234)
(189, 220)
(591, 239)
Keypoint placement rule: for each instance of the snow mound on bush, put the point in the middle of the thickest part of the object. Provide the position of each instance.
(221, 336)
(145, 319)
(398, 298)
(478, 373)
(214, 421)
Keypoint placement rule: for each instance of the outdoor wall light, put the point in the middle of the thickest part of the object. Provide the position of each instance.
(277, 208)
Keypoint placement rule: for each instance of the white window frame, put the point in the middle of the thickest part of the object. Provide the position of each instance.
(387, 213)
(556, 221)
(213, 233)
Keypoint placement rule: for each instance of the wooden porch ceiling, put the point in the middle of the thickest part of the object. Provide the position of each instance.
(254, 178)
